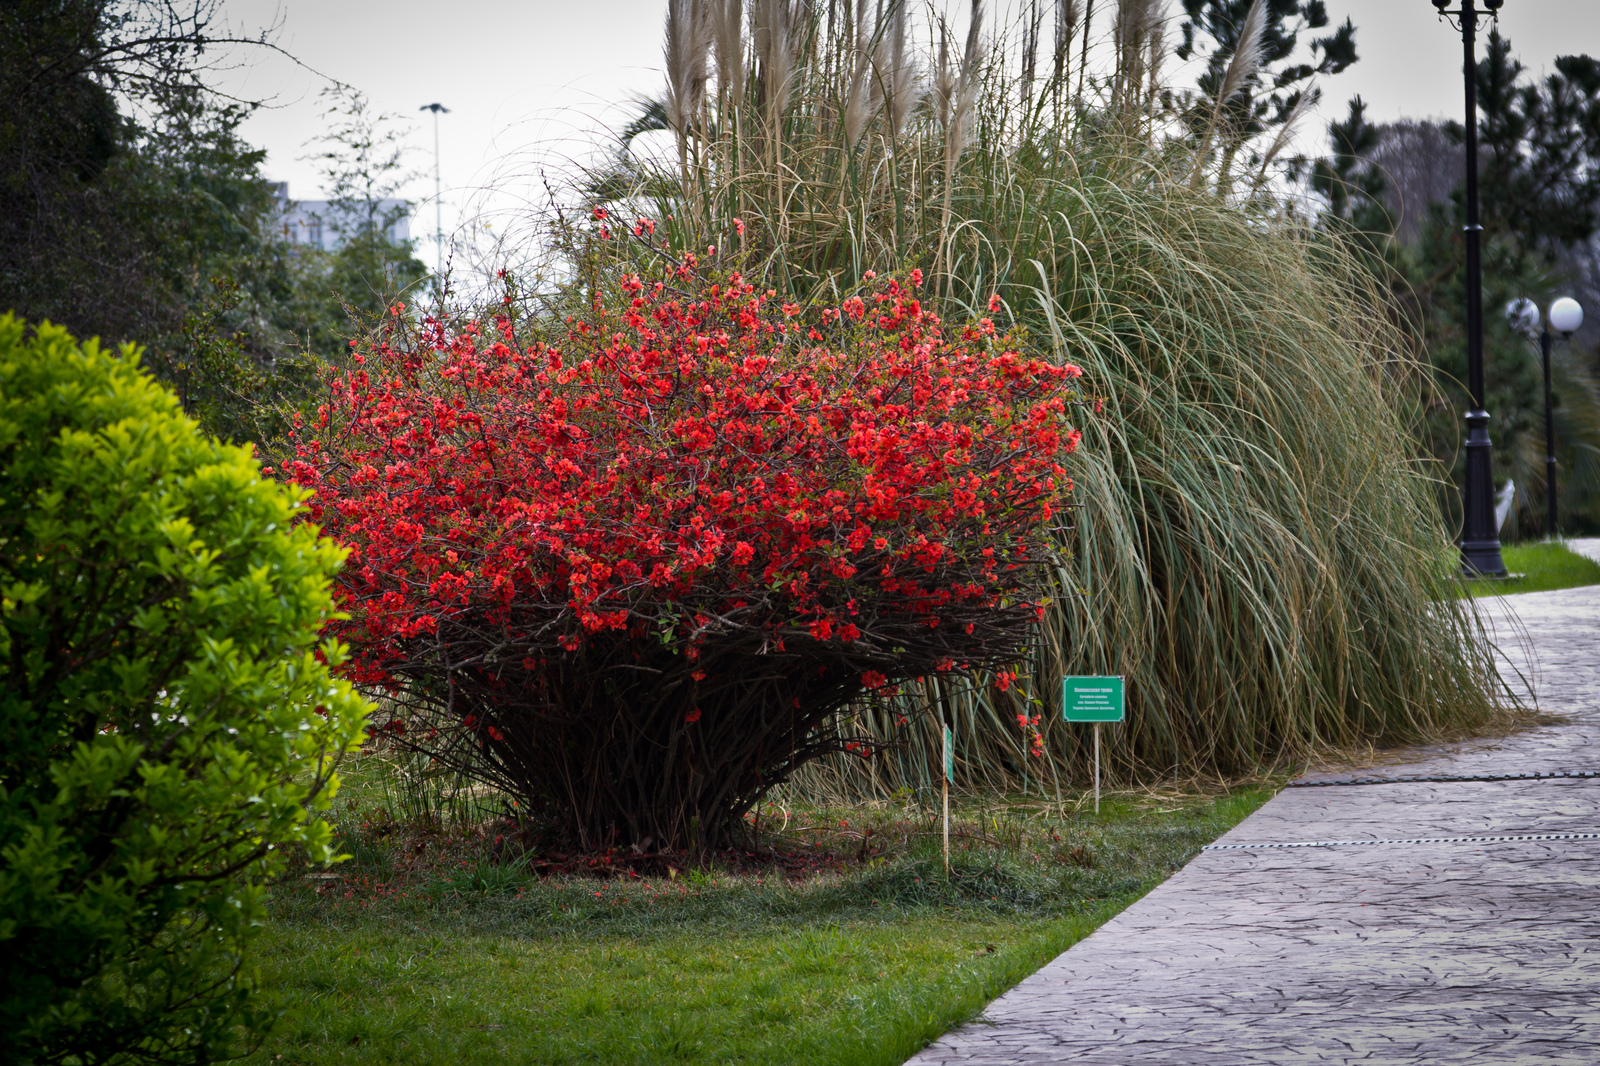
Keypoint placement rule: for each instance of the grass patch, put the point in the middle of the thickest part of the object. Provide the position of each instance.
(447, 956)
(1545, 567)
(851, 991)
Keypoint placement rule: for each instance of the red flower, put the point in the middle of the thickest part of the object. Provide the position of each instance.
(679, 475)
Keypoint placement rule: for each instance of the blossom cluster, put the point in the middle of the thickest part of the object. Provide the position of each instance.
(687, 457)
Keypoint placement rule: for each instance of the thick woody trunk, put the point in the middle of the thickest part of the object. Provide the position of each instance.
(630, 744)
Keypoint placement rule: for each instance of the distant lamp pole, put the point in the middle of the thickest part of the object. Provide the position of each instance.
(438, 201)
(1480, 540)
(1565, 316)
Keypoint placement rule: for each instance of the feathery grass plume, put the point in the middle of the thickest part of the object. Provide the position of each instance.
(1242, 69)
(895, 70)
(775, 39)
(726, 19)
(1246, 61)
(687, 48)
(942, 88)
(727, 32)
(967, 87)
(1259, 551)
(954, 87)
(1285, 134)
(860, 103)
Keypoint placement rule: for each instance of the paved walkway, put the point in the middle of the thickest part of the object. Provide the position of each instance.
(1589, 546)
(1413, 950)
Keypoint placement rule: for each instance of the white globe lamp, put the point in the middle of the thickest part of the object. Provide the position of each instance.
(1522, 315)
(1566, 315)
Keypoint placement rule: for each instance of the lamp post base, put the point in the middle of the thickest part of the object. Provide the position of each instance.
(1480, 543)
(1481, 558)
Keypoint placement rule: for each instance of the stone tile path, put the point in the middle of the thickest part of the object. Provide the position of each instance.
(1474, 951)
(1589, 546)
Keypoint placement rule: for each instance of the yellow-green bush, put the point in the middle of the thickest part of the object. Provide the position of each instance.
(168, 720)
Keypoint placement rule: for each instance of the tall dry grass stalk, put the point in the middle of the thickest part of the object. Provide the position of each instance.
(1258, 550)
(1241, 71)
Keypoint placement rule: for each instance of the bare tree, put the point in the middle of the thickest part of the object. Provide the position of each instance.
(1421, 166)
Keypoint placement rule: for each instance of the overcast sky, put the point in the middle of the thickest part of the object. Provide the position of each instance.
(532, 82)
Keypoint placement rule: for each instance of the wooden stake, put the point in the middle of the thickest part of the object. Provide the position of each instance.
(1097, 768)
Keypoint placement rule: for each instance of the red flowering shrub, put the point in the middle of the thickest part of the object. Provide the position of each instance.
(632, 575)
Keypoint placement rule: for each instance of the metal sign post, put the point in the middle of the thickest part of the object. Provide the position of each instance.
(1096, 700)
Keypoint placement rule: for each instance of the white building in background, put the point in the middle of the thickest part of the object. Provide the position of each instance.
(321, 225)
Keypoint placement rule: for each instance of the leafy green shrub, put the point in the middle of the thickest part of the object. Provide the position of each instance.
(167, 720)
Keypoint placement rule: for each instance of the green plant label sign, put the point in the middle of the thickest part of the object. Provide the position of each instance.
(949, 756)
(1091, 699)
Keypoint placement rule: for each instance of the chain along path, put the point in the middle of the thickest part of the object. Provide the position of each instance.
(1441, 922)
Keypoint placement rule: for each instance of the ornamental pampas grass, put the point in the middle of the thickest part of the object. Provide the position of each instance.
(1259, 550)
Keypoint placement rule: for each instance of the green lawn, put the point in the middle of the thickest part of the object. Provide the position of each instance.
(862, 962)
(1546, 567)
(438, 990)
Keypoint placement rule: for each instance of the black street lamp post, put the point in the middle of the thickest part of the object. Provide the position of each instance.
(1565, 316)
(1549, 441)
(1480, 540)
